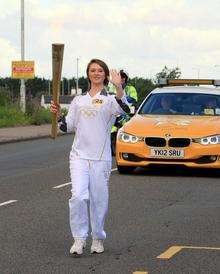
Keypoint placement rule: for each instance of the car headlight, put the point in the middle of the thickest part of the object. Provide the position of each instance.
(209, 140)
(128, 138)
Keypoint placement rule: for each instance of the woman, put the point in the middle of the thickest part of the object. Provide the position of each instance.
(91, 117)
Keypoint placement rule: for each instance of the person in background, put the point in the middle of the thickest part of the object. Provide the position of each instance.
(90, 117)
(166, 103)
(211, 103)
(130, 91)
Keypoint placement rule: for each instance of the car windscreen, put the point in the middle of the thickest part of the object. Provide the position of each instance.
(181, 104)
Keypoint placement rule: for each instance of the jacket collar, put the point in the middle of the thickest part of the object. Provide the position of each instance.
(102, 92)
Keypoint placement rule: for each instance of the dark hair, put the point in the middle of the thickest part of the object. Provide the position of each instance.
(124, 75)
(101, 64)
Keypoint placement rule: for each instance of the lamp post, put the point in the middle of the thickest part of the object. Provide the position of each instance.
(198, 72)
(22, 86)
(217, 67)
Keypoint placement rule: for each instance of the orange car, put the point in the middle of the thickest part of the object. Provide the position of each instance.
(175, 125)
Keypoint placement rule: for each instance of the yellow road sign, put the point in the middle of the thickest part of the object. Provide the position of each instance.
(23, 69)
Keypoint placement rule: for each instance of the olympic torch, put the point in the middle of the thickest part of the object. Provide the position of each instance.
(57, 61)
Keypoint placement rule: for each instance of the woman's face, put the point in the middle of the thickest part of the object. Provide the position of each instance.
(96, 74)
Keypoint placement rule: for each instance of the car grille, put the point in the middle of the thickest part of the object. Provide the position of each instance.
(179, 142)
(155, 142)
(162, 142)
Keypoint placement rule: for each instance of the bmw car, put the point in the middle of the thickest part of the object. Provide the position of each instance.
(177, 124)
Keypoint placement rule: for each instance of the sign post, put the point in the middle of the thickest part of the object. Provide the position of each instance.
(22, 69)
(22, 86)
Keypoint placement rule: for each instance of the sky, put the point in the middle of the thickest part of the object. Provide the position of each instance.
(140, 36)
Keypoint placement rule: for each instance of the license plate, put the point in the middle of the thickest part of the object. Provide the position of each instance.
(167, 153)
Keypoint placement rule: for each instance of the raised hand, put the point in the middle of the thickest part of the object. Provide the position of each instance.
(115, 78)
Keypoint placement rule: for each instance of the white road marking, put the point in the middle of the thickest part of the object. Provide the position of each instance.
(59, 186)
(140, 272)
(8, 202)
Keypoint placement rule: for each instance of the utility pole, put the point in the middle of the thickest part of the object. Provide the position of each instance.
(217, 67)
(22, 86)
(198, 71)
(77, 74)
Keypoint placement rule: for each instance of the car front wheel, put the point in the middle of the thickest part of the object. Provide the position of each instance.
(125, 169)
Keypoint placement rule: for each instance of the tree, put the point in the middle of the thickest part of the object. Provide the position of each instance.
(168, 73)
(83, 84)
(64, 86)
(72, 83)
(35, 87)
(12, 85)
(143, 87)
(4, 96)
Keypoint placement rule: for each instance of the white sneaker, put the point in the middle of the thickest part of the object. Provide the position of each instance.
(77, 247)
(97, 246)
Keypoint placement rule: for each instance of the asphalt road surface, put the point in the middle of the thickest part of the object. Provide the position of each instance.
(161, 220)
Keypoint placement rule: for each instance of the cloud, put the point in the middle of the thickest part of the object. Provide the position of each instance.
(141, 35)
(8, 8)
(6, 52)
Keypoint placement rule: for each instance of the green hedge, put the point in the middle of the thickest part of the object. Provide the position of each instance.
(11, 115)
(41, 116)
(4, 97)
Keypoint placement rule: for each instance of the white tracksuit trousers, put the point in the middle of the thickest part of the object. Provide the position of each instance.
(89, 183)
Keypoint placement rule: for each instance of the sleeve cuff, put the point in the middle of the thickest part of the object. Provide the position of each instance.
(62, 124)
(123, 104)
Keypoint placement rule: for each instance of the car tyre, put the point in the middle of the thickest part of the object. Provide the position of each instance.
(125, 169)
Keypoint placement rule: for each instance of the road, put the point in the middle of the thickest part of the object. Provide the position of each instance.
(150, 211)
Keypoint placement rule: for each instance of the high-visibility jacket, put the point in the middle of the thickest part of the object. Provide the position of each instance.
(129, 90)
(131, 96)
